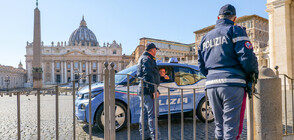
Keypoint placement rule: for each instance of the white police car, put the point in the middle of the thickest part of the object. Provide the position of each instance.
(181, 76)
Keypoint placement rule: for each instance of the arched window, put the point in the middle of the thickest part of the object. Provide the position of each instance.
(114, 52)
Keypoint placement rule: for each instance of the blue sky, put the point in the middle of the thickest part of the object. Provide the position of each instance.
(125, 21)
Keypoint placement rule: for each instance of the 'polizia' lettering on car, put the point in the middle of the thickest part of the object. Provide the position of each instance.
(173, 101)
(181, 76)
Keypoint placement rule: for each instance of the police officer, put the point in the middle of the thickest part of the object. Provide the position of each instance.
(148, 71)
(227, 59)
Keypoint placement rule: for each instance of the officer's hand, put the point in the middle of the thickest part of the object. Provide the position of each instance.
(249, 89)
(154, 95)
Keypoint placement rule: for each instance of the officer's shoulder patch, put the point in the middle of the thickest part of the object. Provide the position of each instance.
(248, 45)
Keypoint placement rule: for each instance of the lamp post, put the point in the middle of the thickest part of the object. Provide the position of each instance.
(7, 81)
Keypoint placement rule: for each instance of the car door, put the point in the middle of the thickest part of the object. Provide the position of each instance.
(163, 98)
(185, 78)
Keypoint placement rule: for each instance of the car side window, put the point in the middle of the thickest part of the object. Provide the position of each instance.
(168, 76)
(198, 76)
(184, 76)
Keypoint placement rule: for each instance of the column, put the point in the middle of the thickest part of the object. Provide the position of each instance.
(65, 72)
(61, 72)
(52, 73)
(271, 38)
(43, 73)
(71, 71)
(87, 71)
(98, 72)
(90, 67)
(81, 71)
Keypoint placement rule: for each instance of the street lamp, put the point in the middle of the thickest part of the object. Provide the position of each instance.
(7, 81)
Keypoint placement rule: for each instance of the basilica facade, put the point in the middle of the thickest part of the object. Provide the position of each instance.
(81, 55)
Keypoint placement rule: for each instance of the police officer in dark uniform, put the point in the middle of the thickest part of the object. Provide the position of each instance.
(227, 59)
(148, 71)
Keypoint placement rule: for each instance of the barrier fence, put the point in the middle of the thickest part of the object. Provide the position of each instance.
(288, 81)
(110, 106)
(53, 90)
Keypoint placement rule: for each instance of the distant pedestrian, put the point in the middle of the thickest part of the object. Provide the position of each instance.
(148, 71)
(226, 57)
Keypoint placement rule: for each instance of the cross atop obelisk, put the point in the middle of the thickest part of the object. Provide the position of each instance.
(37, 56)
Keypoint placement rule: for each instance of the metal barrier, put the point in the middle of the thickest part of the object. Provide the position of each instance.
(169, 112)
(109, 106)
(288, 81)
(50, 90)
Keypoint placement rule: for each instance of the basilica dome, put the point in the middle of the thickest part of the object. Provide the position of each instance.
(83, 35)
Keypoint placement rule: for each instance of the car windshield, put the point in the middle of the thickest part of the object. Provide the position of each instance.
(120, 78)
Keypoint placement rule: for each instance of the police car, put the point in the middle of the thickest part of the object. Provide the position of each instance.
(181, 76)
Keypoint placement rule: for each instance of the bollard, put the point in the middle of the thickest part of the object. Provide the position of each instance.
(268, 106)
(74, 109)
(112, 101)
(106, 102)
(90, 107)
(56, 113)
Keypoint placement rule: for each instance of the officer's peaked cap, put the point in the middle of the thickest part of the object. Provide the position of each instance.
(150, 46)
(227, 9)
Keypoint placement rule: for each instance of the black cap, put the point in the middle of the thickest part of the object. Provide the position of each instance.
(150, 46)
(227, 10)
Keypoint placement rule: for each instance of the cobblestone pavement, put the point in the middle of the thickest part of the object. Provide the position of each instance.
(8, 121)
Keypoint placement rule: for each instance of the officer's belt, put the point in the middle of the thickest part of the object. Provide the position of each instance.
(226, 70)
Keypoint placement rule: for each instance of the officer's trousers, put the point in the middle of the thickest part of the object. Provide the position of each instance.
(149, 118)
(228, 105)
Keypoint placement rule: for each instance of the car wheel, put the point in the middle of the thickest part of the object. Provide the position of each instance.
(201, 111)
(120, 116)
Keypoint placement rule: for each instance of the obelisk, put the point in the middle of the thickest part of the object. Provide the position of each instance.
(37, 56)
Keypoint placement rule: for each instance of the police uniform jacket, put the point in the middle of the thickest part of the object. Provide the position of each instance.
(148, 71)
(226, 55)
